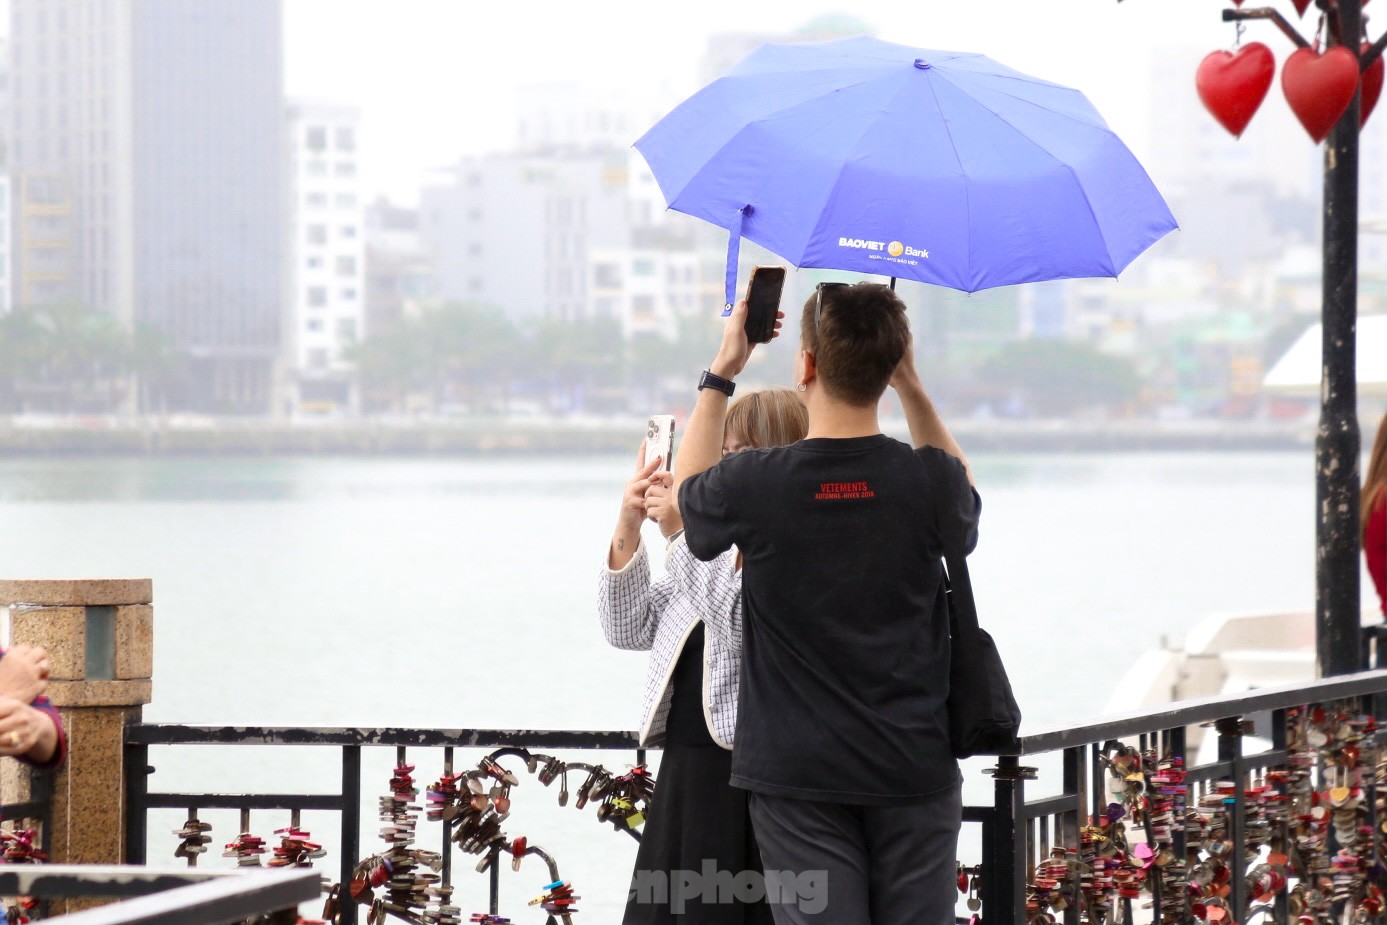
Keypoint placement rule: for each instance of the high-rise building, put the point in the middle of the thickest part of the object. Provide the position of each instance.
(148, 164)
(326, 254)
(6, 189)
(565, 236)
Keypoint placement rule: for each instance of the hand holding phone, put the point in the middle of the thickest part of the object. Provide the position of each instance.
(659, 440)
(763, 303)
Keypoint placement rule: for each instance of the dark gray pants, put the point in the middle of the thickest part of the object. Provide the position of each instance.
(860, 865)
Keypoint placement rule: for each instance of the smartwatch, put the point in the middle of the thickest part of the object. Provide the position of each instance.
(711, 380)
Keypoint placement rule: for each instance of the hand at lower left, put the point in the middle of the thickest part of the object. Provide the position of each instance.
(21, 726)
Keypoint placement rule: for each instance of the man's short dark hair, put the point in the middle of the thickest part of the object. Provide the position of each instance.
(861, 335)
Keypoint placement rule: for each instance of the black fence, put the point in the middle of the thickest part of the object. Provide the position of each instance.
(1283, 820)
(30, 836)
(533, 748)
(1291, 830)
(166, 897)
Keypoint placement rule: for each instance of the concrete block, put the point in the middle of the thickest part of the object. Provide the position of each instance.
(60, 630)
(128, 693)
(89, 793)
(135, 642)
(87, 592)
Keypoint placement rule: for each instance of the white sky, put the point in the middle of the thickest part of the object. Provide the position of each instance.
(436, 79)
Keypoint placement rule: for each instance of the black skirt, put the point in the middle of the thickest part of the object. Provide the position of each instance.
(697, 830)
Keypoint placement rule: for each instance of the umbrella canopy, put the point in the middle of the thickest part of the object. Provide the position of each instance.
(1299, 370)
(938, 166)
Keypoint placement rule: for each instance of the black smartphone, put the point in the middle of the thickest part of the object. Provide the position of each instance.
(763, 302)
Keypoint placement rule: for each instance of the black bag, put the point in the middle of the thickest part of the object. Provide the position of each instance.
(983, 715)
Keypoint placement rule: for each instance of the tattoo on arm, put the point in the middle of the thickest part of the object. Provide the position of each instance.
(621, 545)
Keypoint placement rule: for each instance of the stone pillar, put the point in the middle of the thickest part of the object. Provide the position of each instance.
(99, 635)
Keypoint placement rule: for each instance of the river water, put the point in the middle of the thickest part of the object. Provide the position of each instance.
(460, 593)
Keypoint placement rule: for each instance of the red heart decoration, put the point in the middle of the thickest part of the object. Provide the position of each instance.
(1370, 88)
(1301, 6)
(1319, 87)
(1232, 87)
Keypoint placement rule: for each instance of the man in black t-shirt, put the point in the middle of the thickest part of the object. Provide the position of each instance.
(842, 734)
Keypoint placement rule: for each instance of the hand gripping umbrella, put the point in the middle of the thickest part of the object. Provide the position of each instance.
(937, 166)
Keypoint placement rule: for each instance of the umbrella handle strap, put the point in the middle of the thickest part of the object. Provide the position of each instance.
(734, 246)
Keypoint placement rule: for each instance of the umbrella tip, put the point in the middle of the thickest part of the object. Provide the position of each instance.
(922, 64)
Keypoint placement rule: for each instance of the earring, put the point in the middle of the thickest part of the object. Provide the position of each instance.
(802, 387)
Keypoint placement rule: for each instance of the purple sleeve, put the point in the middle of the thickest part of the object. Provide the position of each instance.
(60, 748)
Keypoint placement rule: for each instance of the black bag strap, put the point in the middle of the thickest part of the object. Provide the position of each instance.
(961, 591)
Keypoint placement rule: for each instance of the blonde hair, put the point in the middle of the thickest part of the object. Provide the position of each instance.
(1375, 480)
(769, 417)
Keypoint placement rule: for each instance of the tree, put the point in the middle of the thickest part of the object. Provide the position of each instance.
(1056, 377)
(457, 352)
(63, 357)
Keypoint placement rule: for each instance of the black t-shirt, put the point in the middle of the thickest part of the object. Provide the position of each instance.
(845, 662)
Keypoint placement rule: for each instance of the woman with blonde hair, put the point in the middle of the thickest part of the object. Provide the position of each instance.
(691, 623)
(1374, 514)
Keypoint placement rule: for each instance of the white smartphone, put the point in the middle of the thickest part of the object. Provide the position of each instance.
(659, 440)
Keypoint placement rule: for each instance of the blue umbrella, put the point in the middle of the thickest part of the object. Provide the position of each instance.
(937, 166)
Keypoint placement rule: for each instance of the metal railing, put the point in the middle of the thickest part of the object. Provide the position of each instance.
(1132, 818)
(36, 812)
(347, 802)
(166, 897)
(1274, 847)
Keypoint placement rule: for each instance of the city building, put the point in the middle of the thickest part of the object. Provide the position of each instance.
(148, 178)
(325, 256)
(399, 273)
(6, 236)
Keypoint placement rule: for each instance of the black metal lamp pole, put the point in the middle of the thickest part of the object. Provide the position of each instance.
(1338, 442)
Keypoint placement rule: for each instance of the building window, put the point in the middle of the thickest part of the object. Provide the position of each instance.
(317, 358)
(346, 138)
(316, 168)
(346, 329)
(315, 138)
(643, 307)
(474, 249)
(348, 231)
(315, 324)
(348, 294)
(643, 267)
(346, 200)
(316, 234)
(317, 296)
(346, 266)
(314, 263)
(316, 200)
(346, 169)
(607, 276)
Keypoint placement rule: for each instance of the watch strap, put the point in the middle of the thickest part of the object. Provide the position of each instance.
(711, 380)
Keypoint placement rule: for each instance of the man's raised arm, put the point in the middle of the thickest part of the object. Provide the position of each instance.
(926, 426)
(701, 447)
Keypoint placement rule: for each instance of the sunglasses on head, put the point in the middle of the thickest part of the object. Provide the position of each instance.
(819, 300)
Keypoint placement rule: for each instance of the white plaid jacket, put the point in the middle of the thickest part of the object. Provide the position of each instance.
(658, 616)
